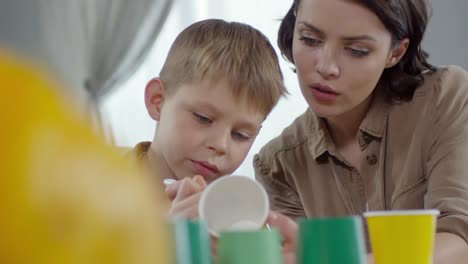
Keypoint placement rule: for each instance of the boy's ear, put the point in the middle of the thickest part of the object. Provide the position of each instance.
(154, 98)
(397, 53)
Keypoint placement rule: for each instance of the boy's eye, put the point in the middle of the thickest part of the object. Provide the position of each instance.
(357, 52)
(309, 41)
(240, 136)
(202, 119)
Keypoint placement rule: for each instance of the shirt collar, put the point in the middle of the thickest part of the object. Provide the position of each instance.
(374, 124)
(375, 121)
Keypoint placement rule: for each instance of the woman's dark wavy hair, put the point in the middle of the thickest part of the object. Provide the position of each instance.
(403, 19)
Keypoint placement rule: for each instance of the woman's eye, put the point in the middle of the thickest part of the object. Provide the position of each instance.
(357, 52)
(240, 136)
(309, 41)
(202, 119)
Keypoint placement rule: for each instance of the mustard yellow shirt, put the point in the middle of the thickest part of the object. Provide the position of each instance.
(413, 155)
(139, 153)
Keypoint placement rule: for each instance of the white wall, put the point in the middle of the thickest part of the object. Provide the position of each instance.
(447, 35)
(125, 111)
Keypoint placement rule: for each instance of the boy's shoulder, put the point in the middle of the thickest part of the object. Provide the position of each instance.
(139, 151)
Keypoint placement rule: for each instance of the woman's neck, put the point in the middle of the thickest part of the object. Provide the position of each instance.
(344, 128)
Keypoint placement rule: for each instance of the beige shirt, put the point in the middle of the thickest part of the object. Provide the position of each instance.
(414, 155)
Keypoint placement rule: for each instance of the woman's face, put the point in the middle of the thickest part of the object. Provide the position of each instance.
(340, 49)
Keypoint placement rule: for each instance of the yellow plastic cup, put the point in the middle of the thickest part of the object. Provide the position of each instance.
(403, 237)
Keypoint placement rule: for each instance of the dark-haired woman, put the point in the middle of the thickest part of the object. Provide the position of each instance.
(384, 130)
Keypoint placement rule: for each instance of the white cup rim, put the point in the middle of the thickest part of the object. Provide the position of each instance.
(201, 207)
(434, 212)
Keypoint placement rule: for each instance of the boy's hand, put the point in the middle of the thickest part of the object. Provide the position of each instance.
(288, 231)
(190, 186)
(185, 195)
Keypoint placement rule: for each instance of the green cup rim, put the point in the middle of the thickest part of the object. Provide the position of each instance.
(246, 232)
(329, 218)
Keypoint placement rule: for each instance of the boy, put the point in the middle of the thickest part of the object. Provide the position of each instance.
(217, 85)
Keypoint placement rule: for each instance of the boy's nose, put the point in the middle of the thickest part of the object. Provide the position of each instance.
(219, 143)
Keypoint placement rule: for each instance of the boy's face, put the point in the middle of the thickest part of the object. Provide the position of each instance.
(201, 129)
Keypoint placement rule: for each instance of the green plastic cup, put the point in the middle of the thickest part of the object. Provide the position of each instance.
(337, 240)
(249, 247)
(191, 242)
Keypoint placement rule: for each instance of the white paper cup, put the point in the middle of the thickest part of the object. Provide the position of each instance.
(234, 203)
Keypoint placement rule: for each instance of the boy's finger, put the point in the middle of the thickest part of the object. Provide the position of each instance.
(191, 201)
(187, 208)
(188, 213)
(185, 187)
(171, 189)
(201, 181)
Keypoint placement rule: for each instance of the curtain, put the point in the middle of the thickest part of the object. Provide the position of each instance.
(92, 46)
(98, 44)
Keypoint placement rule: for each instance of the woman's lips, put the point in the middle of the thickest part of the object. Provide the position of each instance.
(323, 93)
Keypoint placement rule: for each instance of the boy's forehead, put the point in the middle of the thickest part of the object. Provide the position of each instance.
(220, 97)
(209, 88)
(238, 93)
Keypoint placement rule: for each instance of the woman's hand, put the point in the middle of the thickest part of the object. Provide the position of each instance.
(288, 231)
(184, 196)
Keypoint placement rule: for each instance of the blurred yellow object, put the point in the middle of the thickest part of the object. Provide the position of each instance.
(67, 197)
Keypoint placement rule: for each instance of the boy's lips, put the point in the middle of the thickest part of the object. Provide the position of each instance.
(205, 169)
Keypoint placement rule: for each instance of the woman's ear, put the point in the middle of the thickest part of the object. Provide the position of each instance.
(155, 95)
(397, 53)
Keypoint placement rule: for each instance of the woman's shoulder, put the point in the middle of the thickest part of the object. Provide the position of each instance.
(446, 86)
(294, 136)
(443, 95)
(445, 80)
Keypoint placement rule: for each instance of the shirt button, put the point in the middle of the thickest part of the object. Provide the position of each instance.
(366, 137)
(371, 159)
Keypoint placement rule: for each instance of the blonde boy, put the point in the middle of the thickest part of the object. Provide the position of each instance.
(219, 82)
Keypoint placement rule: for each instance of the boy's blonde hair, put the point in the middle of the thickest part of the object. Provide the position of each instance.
(234, 52)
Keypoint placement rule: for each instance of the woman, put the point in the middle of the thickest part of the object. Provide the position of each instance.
(385, 130)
